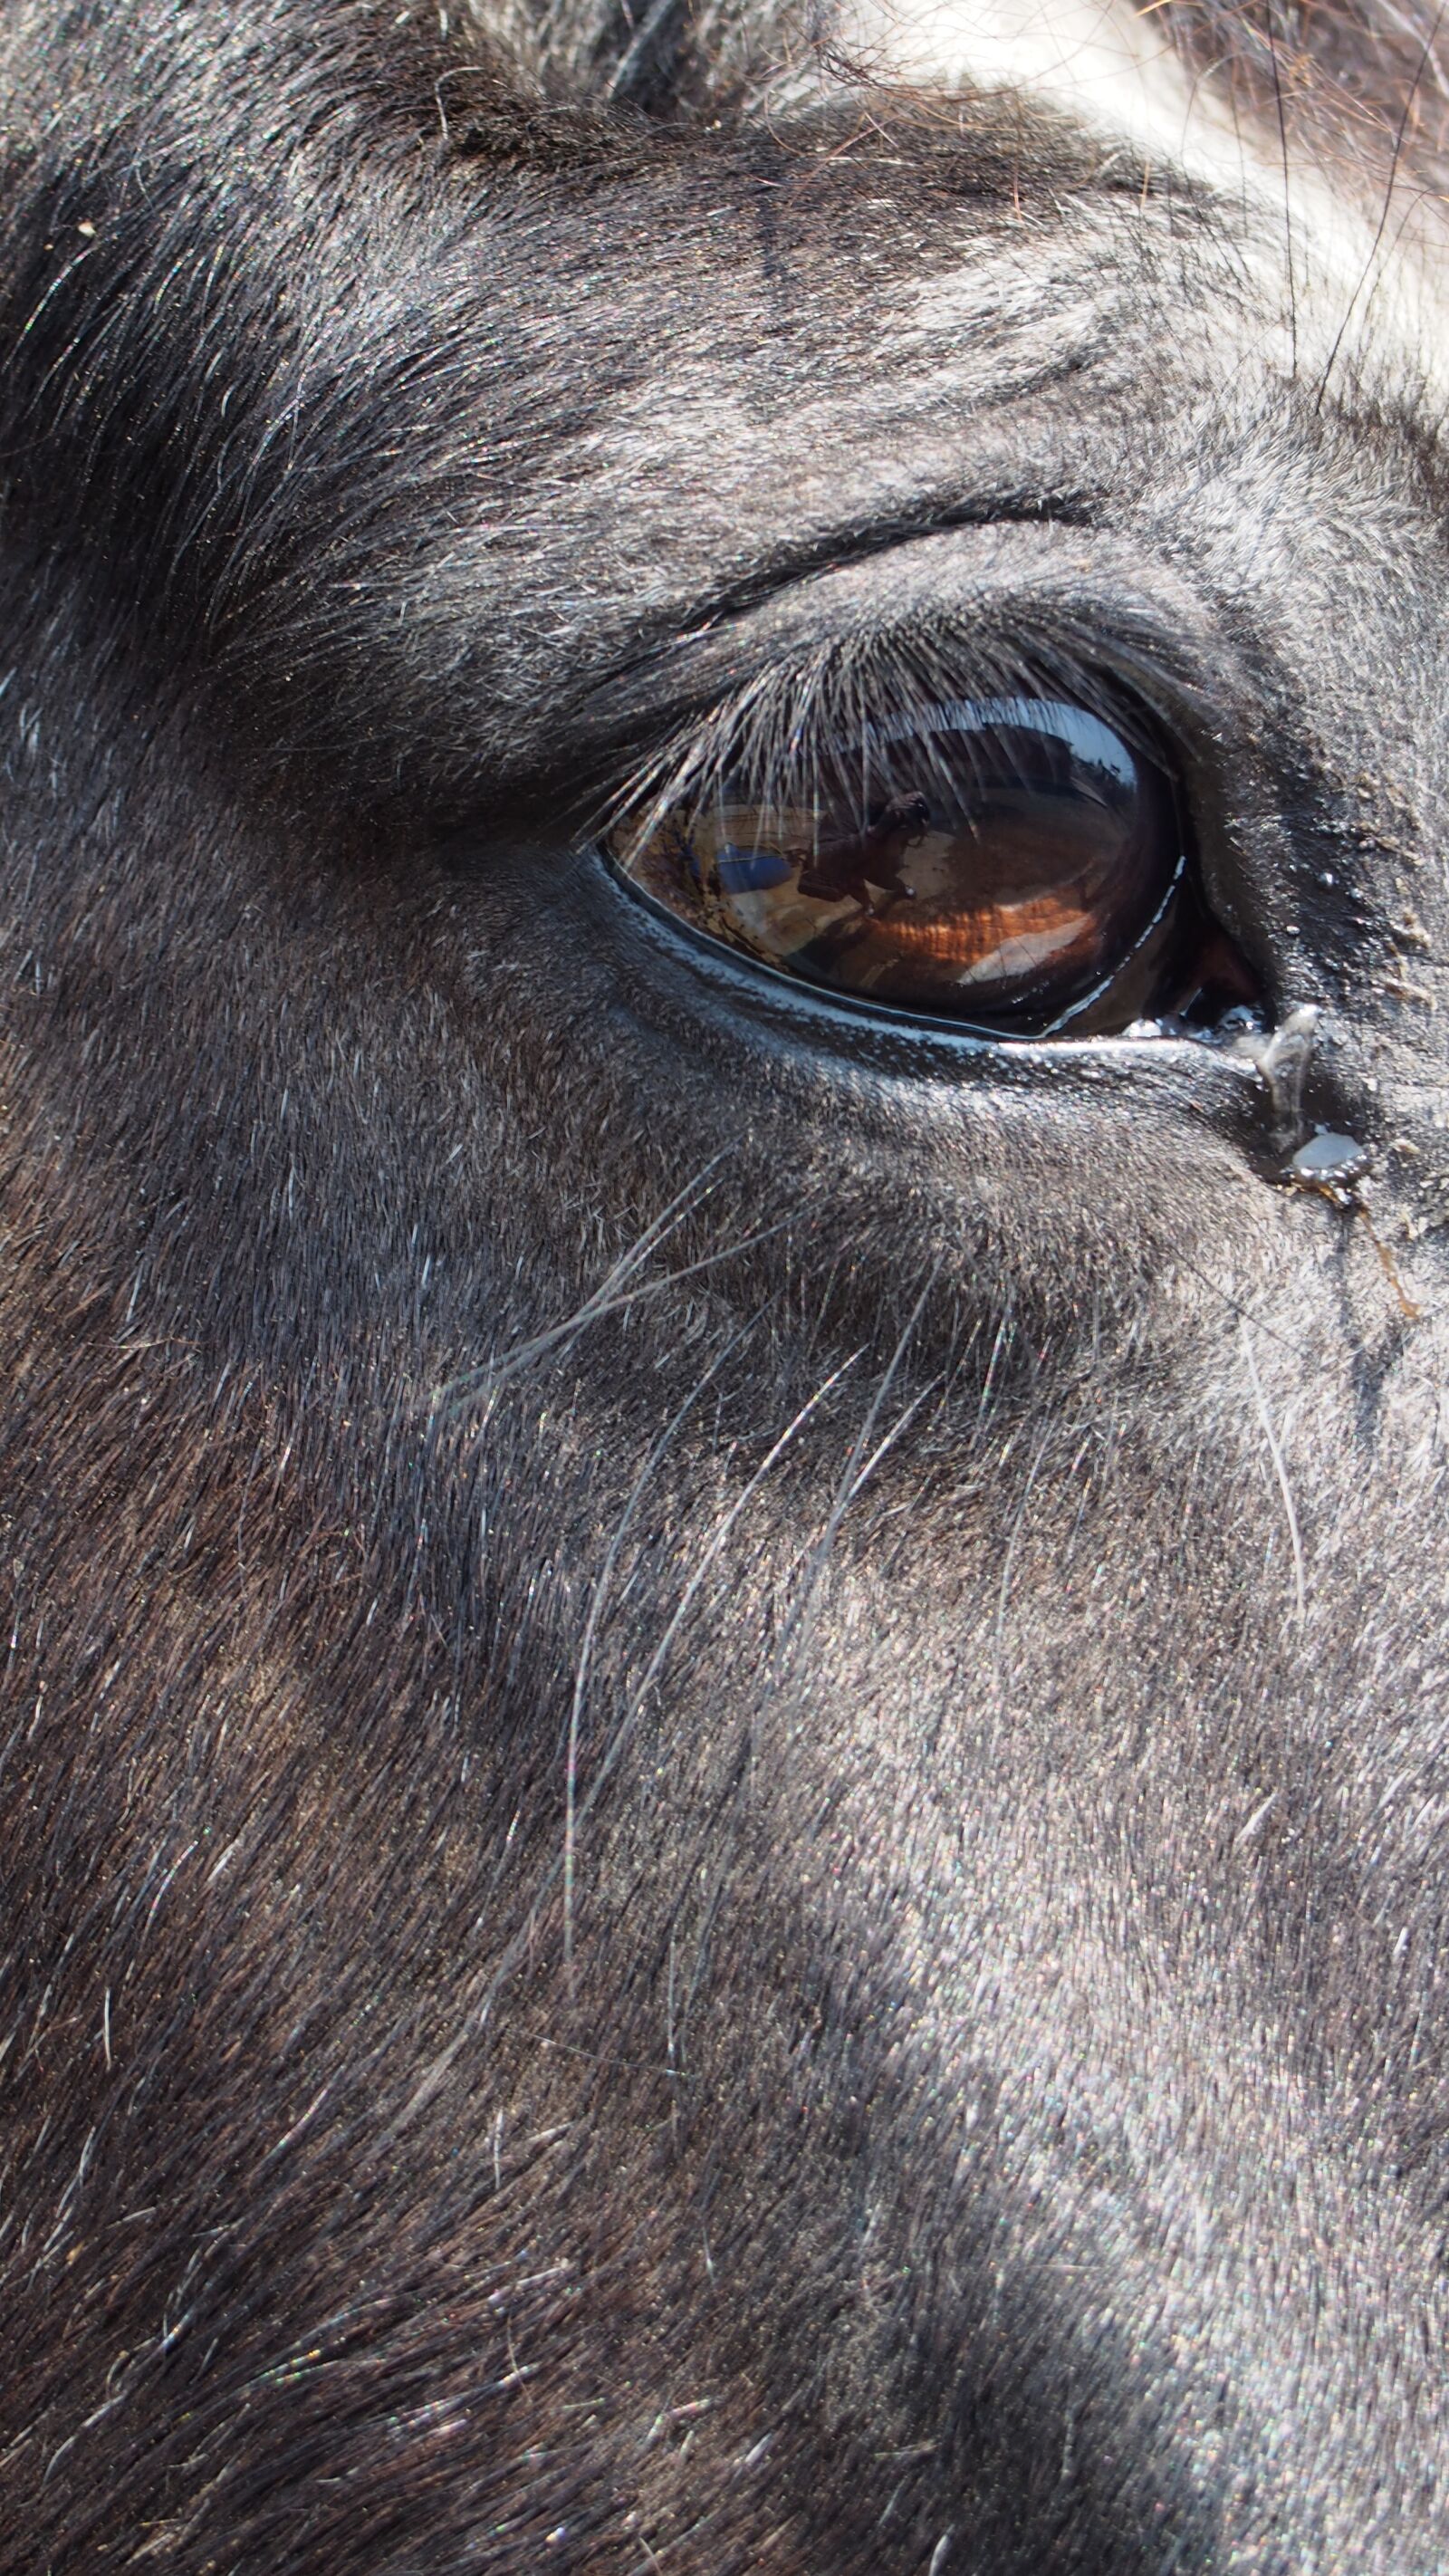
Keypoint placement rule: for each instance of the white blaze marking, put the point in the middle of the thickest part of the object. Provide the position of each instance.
(1379, 283)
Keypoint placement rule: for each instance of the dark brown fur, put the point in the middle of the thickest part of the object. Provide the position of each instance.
(724, 1733)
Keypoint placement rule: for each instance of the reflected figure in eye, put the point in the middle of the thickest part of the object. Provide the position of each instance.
(866, 865)
(987, 886)
(1010, 862)
(746, 862)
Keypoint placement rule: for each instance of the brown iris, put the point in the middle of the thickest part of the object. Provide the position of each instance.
(1010, 861)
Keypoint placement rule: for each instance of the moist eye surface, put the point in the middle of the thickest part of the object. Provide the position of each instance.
(1010, 862)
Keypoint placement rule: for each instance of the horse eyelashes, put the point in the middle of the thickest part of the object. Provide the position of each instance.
(1012, 863)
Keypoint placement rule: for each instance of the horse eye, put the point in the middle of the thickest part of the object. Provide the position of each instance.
(1010, 862)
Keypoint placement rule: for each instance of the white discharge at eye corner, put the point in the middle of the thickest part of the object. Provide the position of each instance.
(1355, 281)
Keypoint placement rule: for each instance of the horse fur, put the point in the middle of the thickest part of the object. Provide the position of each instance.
(724, 1730)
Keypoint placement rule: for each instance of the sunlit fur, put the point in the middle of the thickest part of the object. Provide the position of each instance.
(724, 1741)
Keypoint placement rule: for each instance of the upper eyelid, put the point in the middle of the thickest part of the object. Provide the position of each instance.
(1044, 598)
(796, 705)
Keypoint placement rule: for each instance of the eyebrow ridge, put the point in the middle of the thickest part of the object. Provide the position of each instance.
(839, 550)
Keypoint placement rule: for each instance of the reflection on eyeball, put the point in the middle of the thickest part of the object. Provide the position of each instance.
(1011, 861)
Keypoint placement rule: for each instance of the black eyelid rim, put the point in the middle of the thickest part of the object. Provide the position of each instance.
(895, 1039)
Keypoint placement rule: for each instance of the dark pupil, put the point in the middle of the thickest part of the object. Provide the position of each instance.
(996, 859)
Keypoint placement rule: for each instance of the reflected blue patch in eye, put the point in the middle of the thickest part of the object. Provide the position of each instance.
(750, 871)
